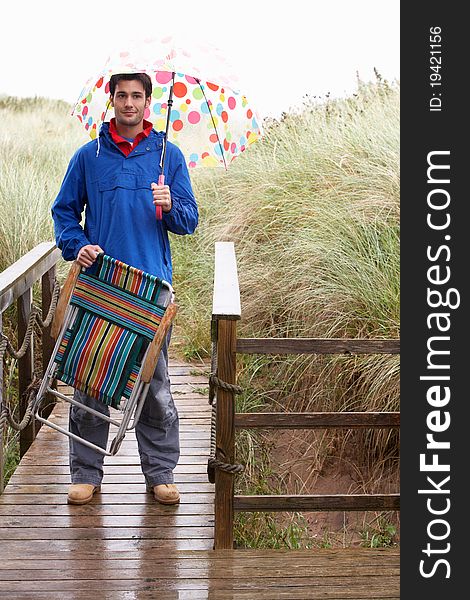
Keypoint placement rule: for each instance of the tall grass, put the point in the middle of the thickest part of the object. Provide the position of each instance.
(37, 139)
(313, 210)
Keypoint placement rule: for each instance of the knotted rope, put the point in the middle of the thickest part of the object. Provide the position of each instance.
(35, 319)
(6, 415)
(215, 383)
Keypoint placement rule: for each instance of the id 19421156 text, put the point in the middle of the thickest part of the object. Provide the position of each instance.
(435, 66)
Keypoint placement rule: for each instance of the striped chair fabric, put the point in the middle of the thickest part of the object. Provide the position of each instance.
(117, 315)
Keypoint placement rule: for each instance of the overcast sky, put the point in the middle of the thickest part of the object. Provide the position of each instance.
(280, 50)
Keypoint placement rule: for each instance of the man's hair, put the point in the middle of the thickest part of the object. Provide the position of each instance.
(142, 77)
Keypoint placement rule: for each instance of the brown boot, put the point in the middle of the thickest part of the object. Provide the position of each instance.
(165, 493)
(81, 493)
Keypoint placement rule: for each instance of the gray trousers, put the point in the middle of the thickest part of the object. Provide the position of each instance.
(157, 432)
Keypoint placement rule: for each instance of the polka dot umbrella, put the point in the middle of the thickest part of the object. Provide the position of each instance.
(195, 98)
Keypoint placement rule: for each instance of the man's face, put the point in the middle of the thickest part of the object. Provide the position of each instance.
(129, 103)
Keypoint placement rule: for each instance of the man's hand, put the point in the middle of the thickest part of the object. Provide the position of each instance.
(87, 255)
(161, 196)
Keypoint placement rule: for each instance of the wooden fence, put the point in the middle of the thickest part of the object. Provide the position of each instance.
(16, 285)
(226, 312)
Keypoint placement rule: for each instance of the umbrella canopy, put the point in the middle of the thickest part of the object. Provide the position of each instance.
(209, 119)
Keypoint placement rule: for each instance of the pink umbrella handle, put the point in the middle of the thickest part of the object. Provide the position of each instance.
(158, 209)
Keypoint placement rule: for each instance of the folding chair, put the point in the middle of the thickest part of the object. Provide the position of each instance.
(110, 324)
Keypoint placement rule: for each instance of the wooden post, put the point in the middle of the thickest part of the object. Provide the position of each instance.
(226, 310)
(25, 367)
(47, 289)
(225, 434)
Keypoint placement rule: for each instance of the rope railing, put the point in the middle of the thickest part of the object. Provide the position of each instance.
(6, 347)
(214, 382)
(34, 319)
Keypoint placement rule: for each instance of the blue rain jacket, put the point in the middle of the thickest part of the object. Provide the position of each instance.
(114, 190)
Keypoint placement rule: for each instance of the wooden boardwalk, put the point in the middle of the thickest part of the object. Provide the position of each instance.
(125, 545)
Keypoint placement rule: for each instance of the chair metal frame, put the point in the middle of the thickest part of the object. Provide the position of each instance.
(64, 316)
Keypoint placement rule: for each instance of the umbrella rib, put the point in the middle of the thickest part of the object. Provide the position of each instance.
(213, 123)
(170, 103)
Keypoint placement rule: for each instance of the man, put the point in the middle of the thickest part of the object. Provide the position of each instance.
(113, 180)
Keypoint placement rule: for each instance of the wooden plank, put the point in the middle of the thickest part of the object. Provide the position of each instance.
(316, 346)
(181, 570)
(103, 498)
(129, 448)
(188, 387)
(108, 488)
(55, 443)
(191, 423)
(323, 592)
(226, 295)
(184, 378)
(333, 502)
(105, 533)
(185, 370)
(129, 451)
(346, 420)
(257, 564)
(163, 584)
(187, 427)
(108, 509)
(111, 522)
(110, 460)
(32, 548)
(246, 556)
(20, 276)
(110, 470)
(120, 478)
(225, 434)
(187, 417)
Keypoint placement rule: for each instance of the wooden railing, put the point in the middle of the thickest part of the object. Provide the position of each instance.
(16, 285)
(225, 314)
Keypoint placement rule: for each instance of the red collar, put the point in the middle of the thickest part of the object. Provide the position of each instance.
(124, 145)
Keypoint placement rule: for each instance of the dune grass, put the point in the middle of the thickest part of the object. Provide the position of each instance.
(37, 139)
(313, 210)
